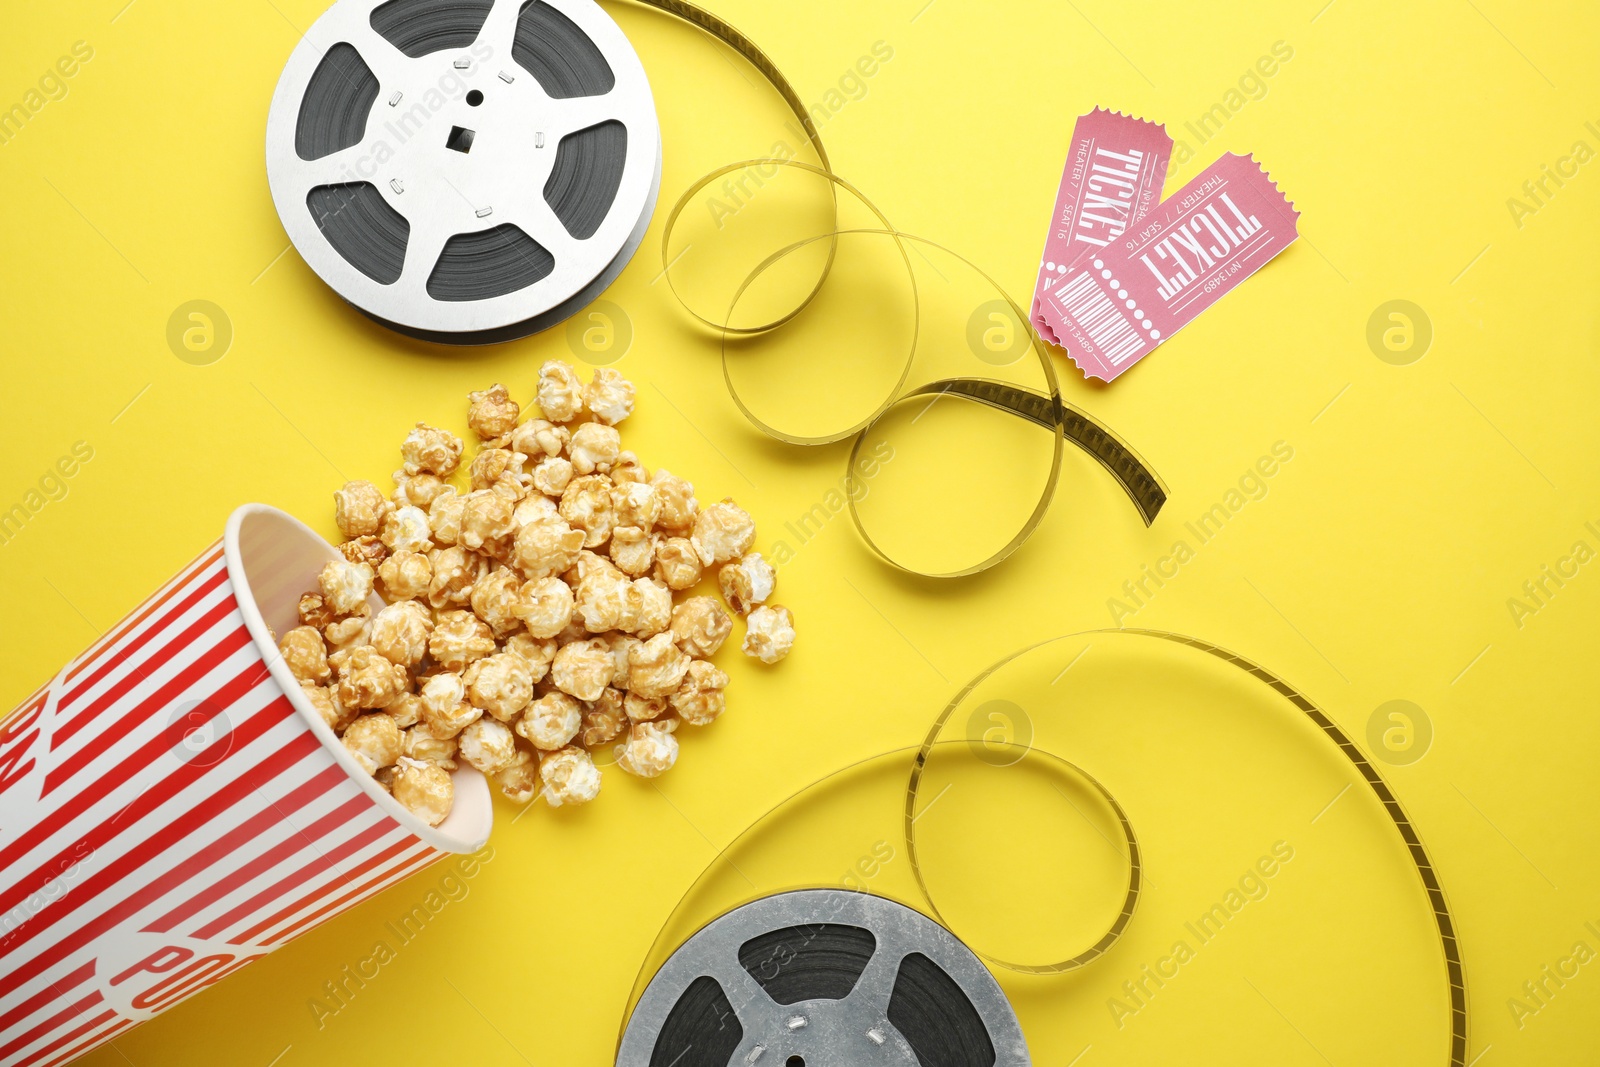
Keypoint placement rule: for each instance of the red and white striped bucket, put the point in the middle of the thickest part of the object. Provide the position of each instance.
(172, 808)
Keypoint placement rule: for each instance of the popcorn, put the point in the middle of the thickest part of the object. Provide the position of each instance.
(445, 711)
(359, 508)
(374, 740)
(550, 722)
(501, 685)
(420, 744)
(582, 668)
(546, 547)
(458, 638)
(603, 719)
(569, 777)
(594, 447)
(632, 550)
(529, 620)
(519, 780)
(345, 585)
(492, 412)
(654, 668)
(424, 789)
(406, 530)
(609, 396)
(722, 532)
(433, 450)
(305, 655)
(455, 572)
(544, 606)
(418, 490)
(495, 600)
(367, 679)
(586, 504)
(699, 626)
(747, 582)
(487, 745)
(365, 549)
(650, 750)
(678, 507)
(769, 633)
(400, 632)
(701, 700)
(560, 392)
(677, 563)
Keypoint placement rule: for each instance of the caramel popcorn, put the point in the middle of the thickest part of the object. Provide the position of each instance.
(747, 582)
(546, 547)
(492, 412)
(700, 700)
(365, 549)
(433, 450)
(487, 745)
(501, 684)
(406, 530)
(560, 392)
(345, 585)
(359, 508)
(535, 607)
(458, 638)
(367, 679)
(632, 550)
(305, 655)
(445, 711)
(424, 789)
(417, 490)
(594, 447)
(400, 632)
(722, 532)
(374, 740)
(569, 777)
(650, 750)
(678, 508)
(550, 722)
(700, 625)
(603, 719)
(769, 633)
(582, 668)
(677, 563)
(545, 606)
(519, 780)
(656, 667)
(586, 504)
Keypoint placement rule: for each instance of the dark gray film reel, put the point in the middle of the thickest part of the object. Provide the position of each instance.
(464, 171)
(823, 977)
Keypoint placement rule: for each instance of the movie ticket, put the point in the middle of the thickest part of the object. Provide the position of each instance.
(1119, 303)
(1115, 168)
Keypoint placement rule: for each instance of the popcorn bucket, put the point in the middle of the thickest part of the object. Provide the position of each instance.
(171, 806)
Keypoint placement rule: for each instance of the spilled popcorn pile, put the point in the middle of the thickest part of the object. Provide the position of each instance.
(533, 618)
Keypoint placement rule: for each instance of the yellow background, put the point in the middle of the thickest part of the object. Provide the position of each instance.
(1378, 567)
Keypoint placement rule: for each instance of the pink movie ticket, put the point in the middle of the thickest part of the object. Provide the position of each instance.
(1196, 246)
(1115, 169)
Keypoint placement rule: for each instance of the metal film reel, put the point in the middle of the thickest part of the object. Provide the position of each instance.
(464, 171)
(823, 977)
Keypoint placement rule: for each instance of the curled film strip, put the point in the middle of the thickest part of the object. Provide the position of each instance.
(736, 871)
(464, 171)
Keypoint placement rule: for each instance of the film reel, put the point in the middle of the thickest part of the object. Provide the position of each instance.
(464, 171)
(823, 976)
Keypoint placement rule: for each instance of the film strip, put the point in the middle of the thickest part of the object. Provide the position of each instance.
(651, 1001)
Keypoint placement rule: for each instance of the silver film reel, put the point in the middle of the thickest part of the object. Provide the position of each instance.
(822, 977)
(464, 171)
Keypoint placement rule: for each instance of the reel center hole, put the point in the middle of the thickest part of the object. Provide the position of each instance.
(460, 139)
(795, 1061)
(474, 98)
